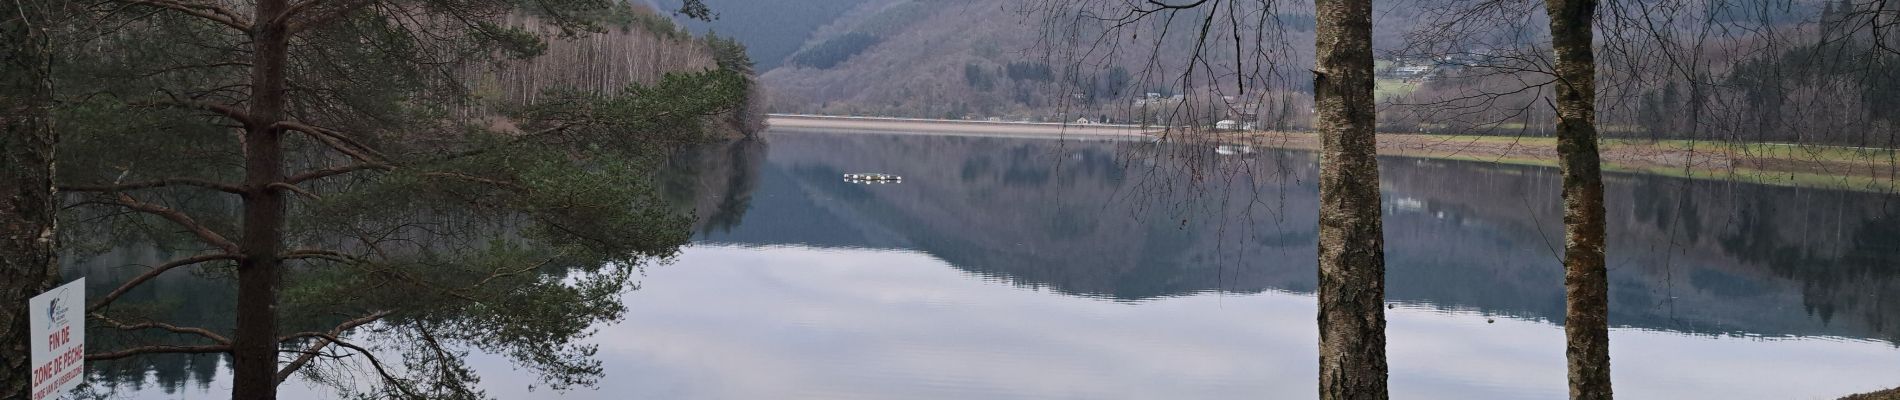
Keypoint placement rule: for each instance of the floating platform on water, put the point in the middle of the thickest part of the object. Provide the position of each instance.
(872, 178)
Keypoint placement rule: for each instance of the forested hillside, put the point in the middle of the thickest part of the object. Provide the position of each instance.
(979, 59)
(1752, 76)
(641, 46)
(771, 29)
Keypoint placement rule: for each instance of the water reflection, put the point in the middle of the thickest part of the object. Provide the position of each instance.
(1697, 256)
(1016, 268)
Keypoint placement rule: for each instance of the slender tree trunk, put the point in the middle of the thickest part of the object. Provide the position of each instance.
(260, 273)
(28, 262)
(1586, 286)
(1351, 243)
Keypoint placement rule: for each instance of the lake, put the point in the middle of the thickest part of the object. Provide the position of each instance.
(1019, 268)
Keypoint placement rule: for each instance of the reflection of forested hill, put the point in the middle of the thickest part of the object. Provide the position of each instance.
(1077, 218)
(1005, 213)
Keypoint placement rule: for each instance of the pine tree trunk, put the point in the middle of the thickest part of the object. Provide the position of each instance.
(260, 273)
(28, 261)
(1586, 286)
(1351, 244)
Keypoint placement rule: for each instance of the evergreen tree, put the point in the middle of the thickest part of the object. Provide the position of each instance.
(326, 156)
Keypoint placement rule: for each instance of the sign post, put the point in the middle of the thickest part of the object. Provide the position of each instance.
(57, 329)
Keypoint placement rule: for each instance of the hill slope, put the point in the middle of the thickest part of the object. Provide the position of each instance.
(771, 29)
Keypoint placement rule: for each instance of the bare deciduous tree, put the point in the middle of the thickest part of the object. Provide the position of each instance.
(1249, 34)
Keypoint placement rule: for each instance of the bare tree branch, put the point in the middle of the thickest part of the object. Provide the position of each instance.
(182, 219)
(154, 273)
(471, 178)
(158, 349)
(206, 333)
(373, 361)
(520, 139)
(113, 188)
(336, 140)
(318, 254)
(323, 340)
(226, 111)
(330, 15)
(211, 12)
(295, 189)
(334, 171)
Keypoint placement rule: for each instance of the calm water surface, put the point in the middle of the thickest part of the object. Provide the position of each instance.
(1009, 268)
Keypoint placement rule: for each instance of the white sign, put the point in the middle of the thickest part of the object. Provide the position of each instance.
(57, 324)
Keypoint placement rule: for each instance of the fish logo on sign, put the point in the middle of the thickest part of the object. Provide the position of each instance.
(56, 311)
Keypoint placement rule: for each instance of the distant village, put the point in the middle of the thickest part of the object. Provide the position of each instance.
(1239, 114)
(1427, 69)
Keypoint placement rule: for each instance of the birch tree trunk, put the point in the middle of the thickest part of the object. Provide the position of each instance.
(28, 262)
(1352, 361)
(1586, 286)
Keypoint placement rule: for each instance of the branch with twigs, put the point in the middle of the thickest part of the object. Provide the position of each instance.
(329, 15)
(206, 333)
(158, 349)
(154, 273)
(334, 171)
(184, 220)
(374, 362)
(336, 140)
(323, 340)
(223, 110)
(212, 12)
(167, 182)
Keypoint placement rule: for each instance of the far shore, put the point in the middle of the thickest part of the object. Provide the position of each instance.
(1864, 169)
(956, 127)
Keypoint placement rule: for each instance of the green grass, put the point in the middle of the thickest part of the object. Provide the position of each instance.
(1749, 175)
(1805, 153)
(1779, 151)
(1782, 150)
(1389, 88)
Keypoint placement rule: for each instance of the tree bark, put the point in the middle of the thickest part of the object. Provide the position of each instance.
(28, 259)
(1586, 284)
(260, 273)
(1352, 361)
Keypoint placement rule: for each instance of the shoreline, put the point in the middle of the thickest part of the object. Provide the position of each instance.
(1869, 170)
(1779, 164)
(973, 128)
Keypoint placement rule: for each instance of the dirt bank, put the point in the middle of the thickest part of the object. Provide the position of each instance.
(1813, 166)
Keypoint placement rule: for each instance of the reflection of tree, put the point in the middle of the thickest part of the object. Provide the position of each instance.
(1849, 276)
(714, 181)
(189, 300)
